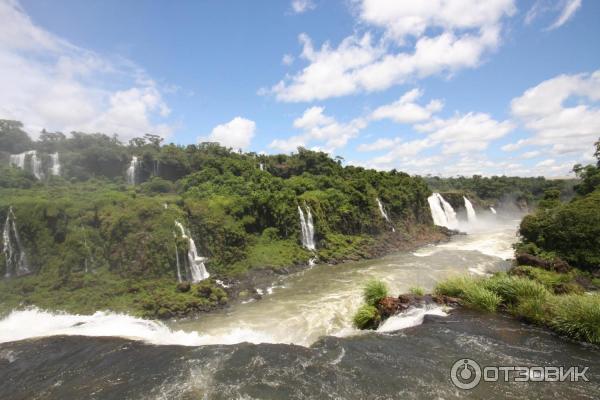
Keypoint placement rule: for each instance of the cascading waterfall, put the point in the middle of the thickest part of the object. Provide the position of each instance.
(35, 164)
(471, 215)
(14, 253)
(307, 228)
(132, 170)
(493, 210)
(384, 214)
(442, 212)
(261, 166)
(178, 263)
(55, 168)
(197, 269)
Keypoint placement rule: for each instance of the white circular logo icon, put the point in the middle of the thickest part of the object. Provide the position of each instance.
(465, 374)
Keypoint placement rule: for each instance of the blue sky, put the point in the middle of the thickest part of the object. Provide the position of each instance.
(449, 87)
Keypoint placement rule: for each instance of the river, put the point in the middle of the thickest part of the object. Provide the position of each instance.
(296, 342)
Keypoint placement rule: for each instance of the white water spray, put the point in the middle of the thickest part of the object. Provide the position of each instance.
(14, 253)
(35, 164)
(442, 212)
(384, 214)
(261, 166)
(307, 228)
(197, 269)
(493, 210)
(132, 170)
(471, 215)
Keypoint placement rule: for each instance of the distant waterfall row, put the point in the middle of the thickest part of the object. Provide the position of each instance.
(32, 162)
(443, 213)
(194, 268)
(13, 250)
(307, 228)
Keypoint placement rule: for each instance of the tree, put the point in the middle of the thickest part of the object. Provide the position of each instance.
(13, 139)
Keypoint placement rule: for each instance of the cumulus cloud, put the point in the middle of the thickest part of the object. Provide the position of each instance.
(237, 133)
(465, 133)
(560, 128)
(47, 82)
(406, 111)
(464, 32)
(316, 126)
(302, 6)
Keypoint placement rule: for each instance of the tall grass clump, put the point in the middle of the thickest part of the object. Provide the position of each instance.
(576, 316)
(367, 317)
(455, 286)
(514, 289)
(374, 291)
(480, 298)
(417, 291)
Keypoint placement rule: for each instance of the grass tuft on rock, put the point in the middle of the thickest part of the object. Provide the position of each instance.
(417, 291)
(367, 317)
(374, 291)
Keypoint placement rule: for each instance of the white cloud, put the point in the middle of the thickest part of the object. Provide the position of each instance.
(531, 154)
(301, 6)
(465, 133)
(287, 59)
(379, 144)
(561, 129)
(316, 126)
(566, 9)
(464, 32)
(406, 111)
(569, 9)
(237, 133)
(50, 83)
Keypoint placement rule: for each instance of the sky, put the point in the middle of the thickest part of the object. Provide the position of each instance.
(442, 87)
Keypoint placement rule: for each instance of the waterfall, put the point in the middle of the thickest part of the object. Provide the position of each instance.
(383, 213)
(156, 168)
(197, 269)
(35, 164)
(442, 212)
(132, 170)
(307, 228)
(471, 215)
(493, 210)
(178, 264)
(261, 166)
(55, 168)
(14, 253)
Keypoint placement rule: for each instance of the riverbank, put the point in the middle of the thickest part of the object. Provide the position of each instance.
(559, 298)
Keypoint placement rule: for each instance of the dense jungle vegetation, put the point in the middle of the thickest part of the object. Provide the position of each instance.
(93, 240)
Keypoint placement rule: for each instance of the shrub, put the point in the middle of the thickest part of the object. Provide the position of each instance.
(577, 316)
(417, 290)
(374, 291)
(367, 317)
